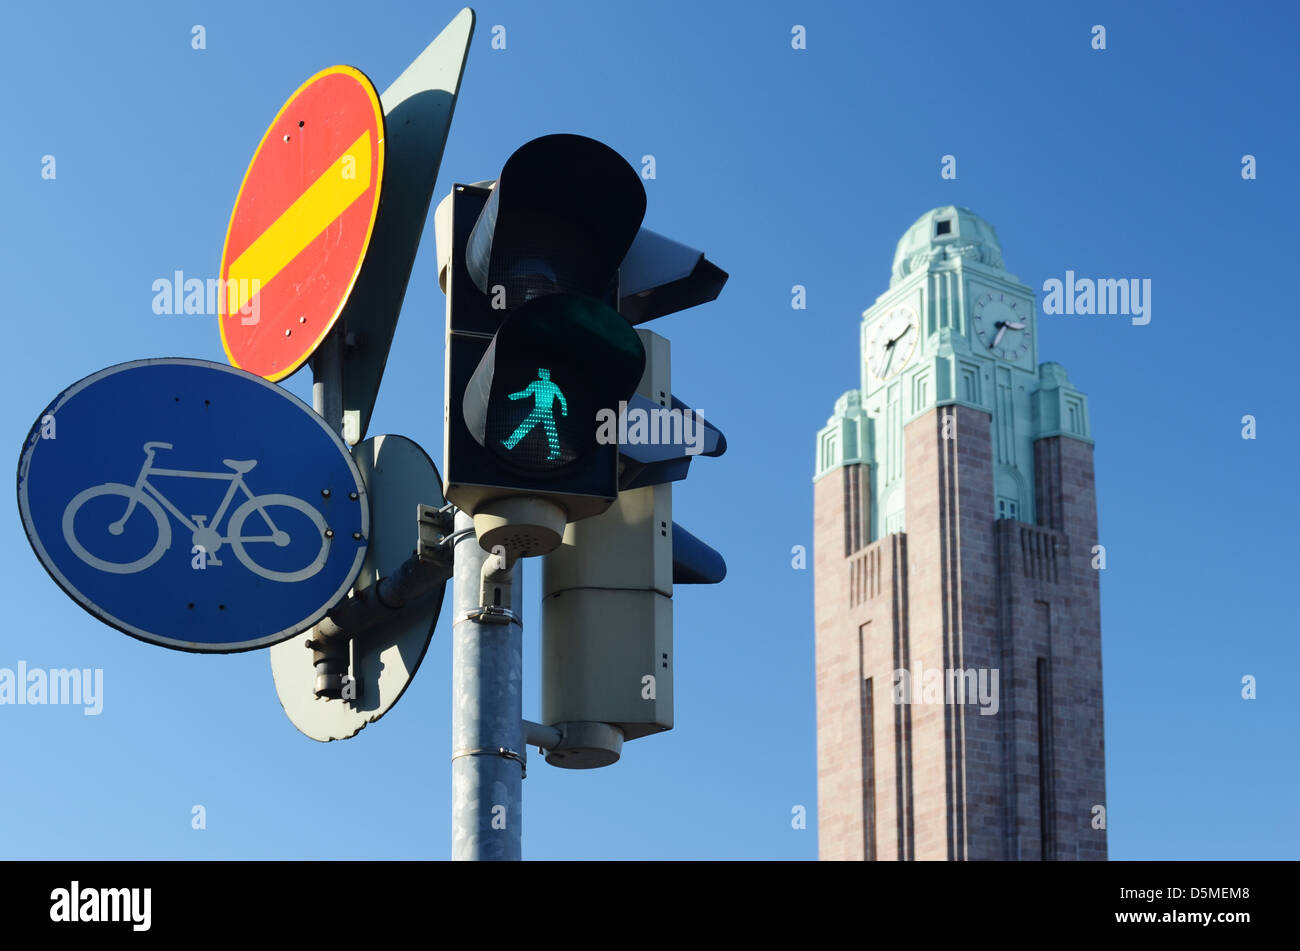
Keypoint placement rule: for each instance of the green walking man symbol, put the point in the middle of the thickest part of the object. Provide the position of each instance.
(544, 394)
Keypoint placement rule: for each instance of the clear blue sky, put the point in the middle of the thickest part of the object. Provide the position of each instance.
(788, 167)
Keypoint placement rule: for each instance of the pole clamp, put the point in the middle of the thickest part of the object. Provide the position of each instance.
(489, 614)
(501, 751)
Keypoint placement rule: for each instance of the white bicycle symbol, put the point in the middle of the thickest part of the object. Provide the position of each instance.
(203, 530)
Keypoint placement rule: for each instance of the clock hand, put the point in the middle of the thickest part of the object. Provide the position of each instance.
(885, 371)
(1002, 328)
(1013, 325)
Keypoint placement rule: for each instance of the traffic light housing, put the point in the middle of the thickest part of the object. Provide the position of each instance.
(535, 345)
(607, 611)
(546, 271)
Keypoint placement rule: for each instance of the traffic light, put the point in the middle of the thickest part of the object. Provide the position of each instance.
(546, 271)
(607, 611)
(535, 345)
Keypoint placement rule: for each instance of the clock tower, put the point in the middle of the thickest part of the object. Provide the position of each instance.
(958, 633)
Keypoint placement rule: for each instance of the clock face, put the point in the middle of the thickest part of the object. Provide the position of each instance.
(1002, 325)
(893, 342)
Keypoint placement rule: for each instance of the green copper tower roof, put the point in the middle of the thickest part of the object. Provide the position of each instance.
(943, 234)
(953, 329)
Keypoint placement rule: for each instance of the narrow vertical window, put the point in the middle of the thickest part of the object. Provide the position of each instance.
(1046, 825)
(868, 771)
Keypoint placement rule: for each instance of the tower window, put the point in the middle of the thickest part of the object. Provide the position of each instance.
(943, 227)
(1006, 508)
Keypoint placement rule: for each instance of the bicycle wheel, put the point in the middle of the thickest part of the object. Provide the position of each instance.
(128, 492)
(260, 503)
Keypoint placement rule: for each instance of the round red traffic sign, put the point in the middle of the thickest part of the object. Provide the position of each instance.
(301, 224)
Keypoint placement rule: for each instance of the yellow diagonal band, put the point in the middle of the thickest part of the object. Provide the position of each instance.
(302, 222)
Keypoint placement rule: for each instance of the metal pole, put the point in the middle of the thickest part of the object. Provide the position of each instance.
(329, 654)
(327, 379)
(487, 768)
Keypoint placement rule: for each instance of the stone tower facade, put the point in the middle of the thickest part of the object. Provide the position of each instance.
(958, 630)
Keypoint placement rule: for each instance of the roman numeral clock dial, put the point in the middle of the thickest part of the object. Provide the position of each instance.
(892, 342)
(1001, 326)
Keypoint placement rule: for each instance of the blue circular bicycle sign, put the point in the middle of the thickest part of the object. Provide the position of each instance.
(193, 505)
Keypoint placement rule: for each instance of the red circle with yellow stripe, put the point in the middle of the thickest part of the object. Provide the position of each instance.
(302, 223)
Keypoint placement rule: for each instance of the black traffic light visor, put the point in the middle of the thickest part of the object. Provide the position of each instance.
(563, 214)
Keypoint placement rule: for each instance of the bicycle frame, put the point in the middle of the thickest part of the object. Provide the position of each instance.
(236, 480)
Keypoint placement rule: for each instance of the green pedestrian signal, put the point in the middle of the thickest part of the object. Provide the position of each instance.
(544, 394)
(533, 399)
